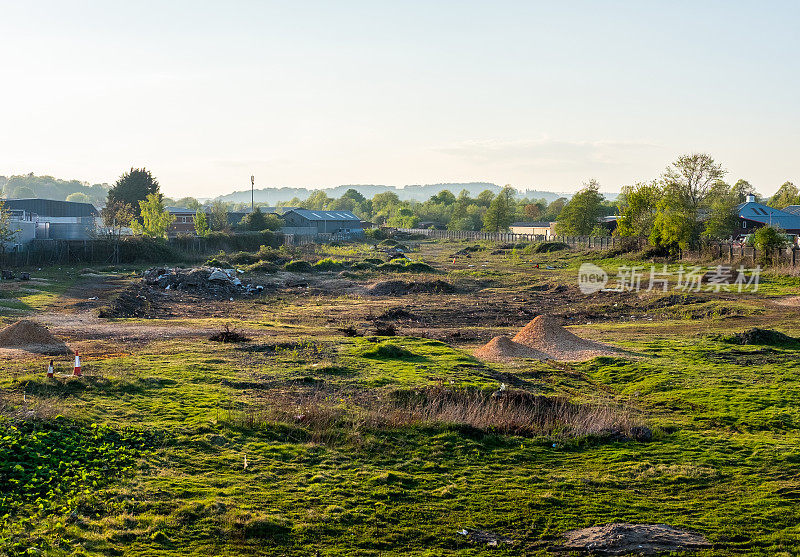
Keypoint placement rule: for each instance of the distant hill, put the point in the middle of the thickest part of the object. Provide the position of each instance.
(47, 187)
(272, 196)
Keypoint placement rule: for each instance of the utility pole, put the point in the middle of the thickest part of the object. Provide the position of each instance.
(252, 194)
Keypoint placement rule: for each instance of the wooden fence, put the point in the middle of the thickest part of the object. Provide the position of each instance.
(589, 242)
(733, 253)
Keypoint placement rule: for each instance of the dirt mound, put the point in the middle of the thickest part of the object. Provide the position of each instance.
(546, 334)
(31, 337)
(622, 538)
(500, 348)
(766, 337)
(402, 287)
(397, 313)
(136, 301)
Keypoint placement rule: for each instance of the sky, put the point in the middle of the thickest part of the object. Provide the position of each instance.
(540, 95)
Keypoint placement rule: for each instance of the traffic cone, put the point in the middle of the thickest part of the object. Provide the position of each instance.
(77, 371)
(50, 369)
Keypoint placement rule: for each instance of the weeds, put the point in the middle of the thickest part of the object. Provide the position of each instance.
(325, 416)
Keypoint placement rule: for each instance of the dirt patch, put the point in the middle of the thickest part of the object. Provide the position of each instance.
(502, 347)
(622, 538)
(402, 287)
(32, 337)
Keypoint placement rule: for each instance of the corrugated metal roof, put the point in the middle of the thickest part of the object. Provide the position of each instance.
(758, 212)
(325, 215)
(52, 207)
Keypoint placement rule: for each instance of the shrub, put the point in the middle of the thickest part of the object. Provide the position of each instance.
(298, 266)
(376, 233)
(406, 266)
(389, 351)
(329, 264)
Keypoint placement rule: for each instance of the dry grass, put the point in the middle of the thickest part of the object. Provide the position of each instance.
(326, 416)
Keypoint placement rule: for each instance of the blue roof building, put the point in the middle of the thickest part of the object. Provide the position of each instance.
(754, 215)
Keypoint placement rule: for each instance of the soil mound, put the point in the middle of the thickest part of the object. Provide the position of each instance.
(766, 337)
(402, 287)
(31, 337)
(500, 348)
(622, 538)
(136, 301)
(546, 334)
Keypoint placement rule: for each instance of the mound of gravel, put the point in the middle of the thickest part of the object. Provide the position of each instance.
(502, 347)
(622, 538)
(546, 334)
(403, 287)
(32, 337)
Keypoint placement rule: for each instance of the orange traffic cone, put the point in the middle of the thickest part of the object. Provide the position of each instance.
(77, 372)
(50, 369)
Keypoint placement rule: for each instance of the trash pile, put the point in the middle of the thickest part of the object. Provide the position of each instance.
(210, 281)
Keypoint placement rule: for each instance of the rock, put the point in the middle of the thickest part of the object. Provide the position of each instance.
(219, 275)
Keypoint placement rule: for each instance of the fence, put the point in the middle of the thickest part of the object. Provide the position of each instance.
(589, 242)
(731, 253)
(134, 249)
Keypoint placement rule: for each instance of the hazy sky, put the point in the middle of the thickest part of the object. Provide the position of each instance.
(536, 94)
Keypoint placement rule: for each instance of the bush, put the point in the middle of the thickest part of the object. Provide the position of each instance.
(406, 266)
(389, 351)
(298, 266)
(373, 260)
(329, 264)
(376, 234)
(243, 258)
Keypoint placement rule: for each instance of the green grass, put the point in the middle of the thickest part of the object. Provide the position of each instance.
(168, 460)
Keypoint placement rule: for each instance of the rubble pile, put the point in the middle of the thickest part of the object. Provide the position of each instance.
(209, 281)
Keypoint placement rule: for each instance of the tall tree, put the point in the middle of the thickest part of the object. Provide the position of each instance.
(675, 226)
(691, 176)
(133, 186)
(155, 218)
(501, 211)
(638, 209)
(580, 215)
(787, 194)
(723, 220)
(254, 220)
(8, 232)
(218, 216)
(201, 223)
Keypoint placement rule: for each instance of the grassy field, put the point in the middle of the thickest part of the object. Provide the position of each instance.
(307, 440)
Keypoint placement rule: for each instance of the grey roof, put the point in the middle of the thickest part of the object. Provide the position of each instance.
(51, 207)
(758, 212)
(171, 209)
(313, 215)
(538, 224)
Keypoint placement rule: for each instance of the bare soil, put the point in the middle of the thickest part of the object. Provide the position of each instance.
(622, 538)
